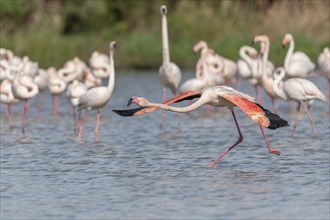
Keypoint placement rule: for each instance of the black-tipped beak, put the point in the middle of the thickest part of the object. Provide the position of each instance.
(252, 41)
(283, 45)
(129, 101)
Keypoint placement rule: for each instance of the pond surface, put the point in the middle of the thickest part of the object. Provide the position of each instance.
(138, 171)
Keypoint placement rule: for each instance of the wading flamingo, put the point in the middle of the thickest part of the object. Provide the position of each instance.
(218, 96)
(41, 80)
(297, 89)
(7, 97)
(97, 97)
(24, 89)
(169, 72)
(296, 64)
(56, 85)
(323, 61)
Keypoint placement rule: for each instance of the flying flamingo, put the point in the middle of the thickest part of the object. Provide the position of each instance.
(24, 89)
(170, 73)
(218, 96)
(298, 89)
(296, 64)
(97, 97)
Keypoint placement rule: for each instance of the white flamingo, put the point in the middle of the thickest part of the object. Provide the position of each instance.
(266, 81)
(169, 72)
(41, 81)
(218, 96)
(100, 65)
(296, 64)
(97, 97)
(7, 97)
(24, 89)
(56, 86)
(323, 61)
(298, 89)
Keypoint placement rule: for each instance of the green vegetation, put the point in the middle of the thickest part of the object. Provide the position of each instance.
(51, 32)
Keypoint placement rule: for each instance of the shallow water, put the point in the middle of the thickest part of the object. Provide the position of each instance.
(139, 171)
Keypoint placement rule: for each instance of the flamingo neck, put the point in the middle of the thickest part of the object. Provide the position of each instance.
(111, 79)
(276, 86)
(265, 80)
(166, 52)
(244, 56)
(200, 102)
(288, 55)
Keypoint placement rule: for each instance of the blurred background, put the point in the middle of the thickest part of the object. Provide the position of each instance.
(54, 31)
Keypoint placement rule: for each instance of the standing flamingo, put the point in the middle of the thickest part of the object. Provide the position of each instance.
(7, 97)
(24, 89)
(218, 96)
(323, 61)
(266, 80)
(97, 97)
(56, 86)
(297, 89)
(41, 80)
(296, 64)
(170, 73)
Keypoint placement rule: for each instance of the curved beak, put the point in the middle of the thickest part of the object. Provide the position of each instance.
(130, 101)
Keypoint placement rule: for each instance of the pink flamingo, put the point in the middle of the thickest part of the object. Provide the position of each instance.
(218, 96)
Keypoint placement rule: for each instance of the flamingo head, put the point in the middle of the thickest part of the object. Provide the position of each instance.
(113, 45)
(287, 38)
(163, 9)
(138, 101)
(201, 44)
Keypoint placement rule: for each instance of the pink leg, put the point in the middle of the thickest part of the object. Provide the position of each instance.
(310, 119)
(81, 124)
(271, 150)
(9, 116)
(97, 126)
(240, 139)
(297, 118)
(54, 113)
(73, 109)
(24, 119)
(164, 112)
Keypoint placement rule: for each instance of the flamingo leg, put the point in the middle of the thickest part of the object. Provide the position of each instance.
(96, 131)
(24, 119)
(164, 112)
(74, 119)
(10, 123)
(297, 118)
(240, 139)
(81, 124)
(271, 150)
(54, 113)
(310, 119)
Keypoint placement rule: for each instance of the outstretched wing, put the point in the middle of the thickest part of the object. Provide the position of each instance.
(256, 112)
(140, 111)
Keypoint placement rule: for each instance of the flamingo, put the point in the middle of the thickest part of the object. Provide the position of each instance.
(169, 72)
(218, 96)
(323, 61)
(296, 64)
(56, 86)
(266, 81)
(24, 89)
(99, 64)
(73, 92)
(7, 97)
(97, 97)
(298, 89)
(41, 81)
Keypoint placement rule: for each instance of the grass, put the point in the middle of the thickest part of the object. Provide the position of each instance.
(225, 25)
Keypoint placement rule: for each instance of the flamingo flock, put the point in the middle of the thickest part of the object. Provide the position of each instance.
(22, 79)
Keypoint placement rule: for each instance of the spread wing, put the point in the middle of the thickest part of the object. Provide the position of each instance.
(255, 111)
(143, 110)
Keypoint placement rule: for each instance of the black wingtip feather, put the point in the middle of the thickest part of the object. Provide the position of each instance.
(275, 120)
(127, 112)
